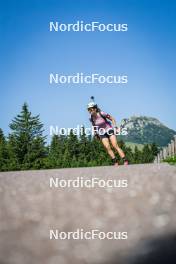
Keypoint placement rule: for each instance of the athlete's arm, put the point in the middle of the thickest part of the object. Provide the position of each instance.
(112, 120)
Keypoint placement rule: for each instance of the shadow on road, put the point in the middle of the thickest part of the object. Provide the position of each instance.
(160, 250)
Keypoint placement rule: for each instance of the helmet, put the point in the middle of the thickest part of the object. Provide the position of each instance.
(91, 105)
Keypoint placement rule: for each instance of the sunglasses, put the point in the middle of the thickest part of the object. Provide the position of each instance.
(90, 109)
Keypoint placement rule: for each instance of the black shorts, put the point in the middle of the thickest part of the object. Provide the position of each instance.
(107, 134)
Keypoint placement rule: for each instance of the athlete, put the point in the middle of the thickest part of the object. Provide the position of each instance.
(104, 131)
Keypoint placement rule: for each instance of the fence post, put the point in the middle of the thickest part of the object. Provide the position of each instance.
(175, 145)
(155, 160)
(172, 148)
(169, 150)
(161, 154)
(165, 153)
(158, 158)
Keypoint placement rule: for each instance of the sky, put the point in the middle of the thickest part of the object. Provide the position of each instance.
(29, 52)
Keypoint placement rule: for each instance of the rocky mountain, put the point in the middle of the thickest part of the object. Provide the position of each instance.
(143, 130)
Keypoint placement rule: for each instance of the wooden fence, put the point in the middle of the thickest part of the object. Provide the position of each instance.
(166, 152)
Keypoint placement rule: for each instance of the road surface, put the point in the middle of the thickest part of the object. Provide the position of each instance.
(32, 210)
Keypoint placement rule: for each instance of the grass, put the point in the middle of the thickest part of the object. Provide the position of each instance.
(171, 160)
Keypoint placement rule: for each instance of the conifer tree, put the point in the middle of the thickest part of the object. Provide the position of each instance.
(56, 151)
(137, 156)
(154, 149)
(26, 139)
(147, 155)
(3, 152)
(84, 155)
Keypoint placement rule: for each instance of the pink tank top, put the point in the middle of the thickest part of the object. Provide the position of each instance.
(100, 122)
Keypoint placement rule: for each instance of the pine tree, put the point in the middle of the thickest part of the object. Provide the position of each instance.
(99, 155)
(147, 155)
(154, 149)
(137, 156)
(56, 151)
(128, 154)
(3, 152)
(84, 155)
(13, 163)
(27, 142)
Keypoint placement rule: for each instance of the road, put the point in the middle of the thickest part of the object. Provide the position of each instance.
(31, 209)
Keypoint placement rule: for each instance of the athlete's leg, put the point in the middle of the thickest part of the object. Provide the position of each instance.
(116, 147)
(107, 146)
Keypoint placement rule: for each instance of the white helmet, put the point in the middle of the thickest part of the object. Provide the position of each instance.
(91, 105)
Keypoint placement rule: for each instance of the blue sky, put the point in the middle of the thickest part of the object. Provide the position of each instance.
(29, 52)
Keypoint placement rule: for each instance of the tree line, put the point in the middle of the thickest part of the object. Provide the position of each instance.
(25, 148)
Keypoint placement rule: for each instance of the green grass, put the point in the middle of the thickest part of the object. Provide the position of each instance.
(171, 160)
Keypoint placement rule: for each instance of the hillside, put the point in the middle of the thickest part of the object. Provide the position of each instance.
(146, 130)
(30, 208)
(132, 145)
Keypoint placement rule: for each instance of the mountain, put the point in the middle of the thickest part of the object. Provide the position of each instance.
(146, 130)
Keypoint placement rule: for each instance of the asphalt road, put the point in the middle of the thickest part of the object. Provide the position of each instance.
(30, 208)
